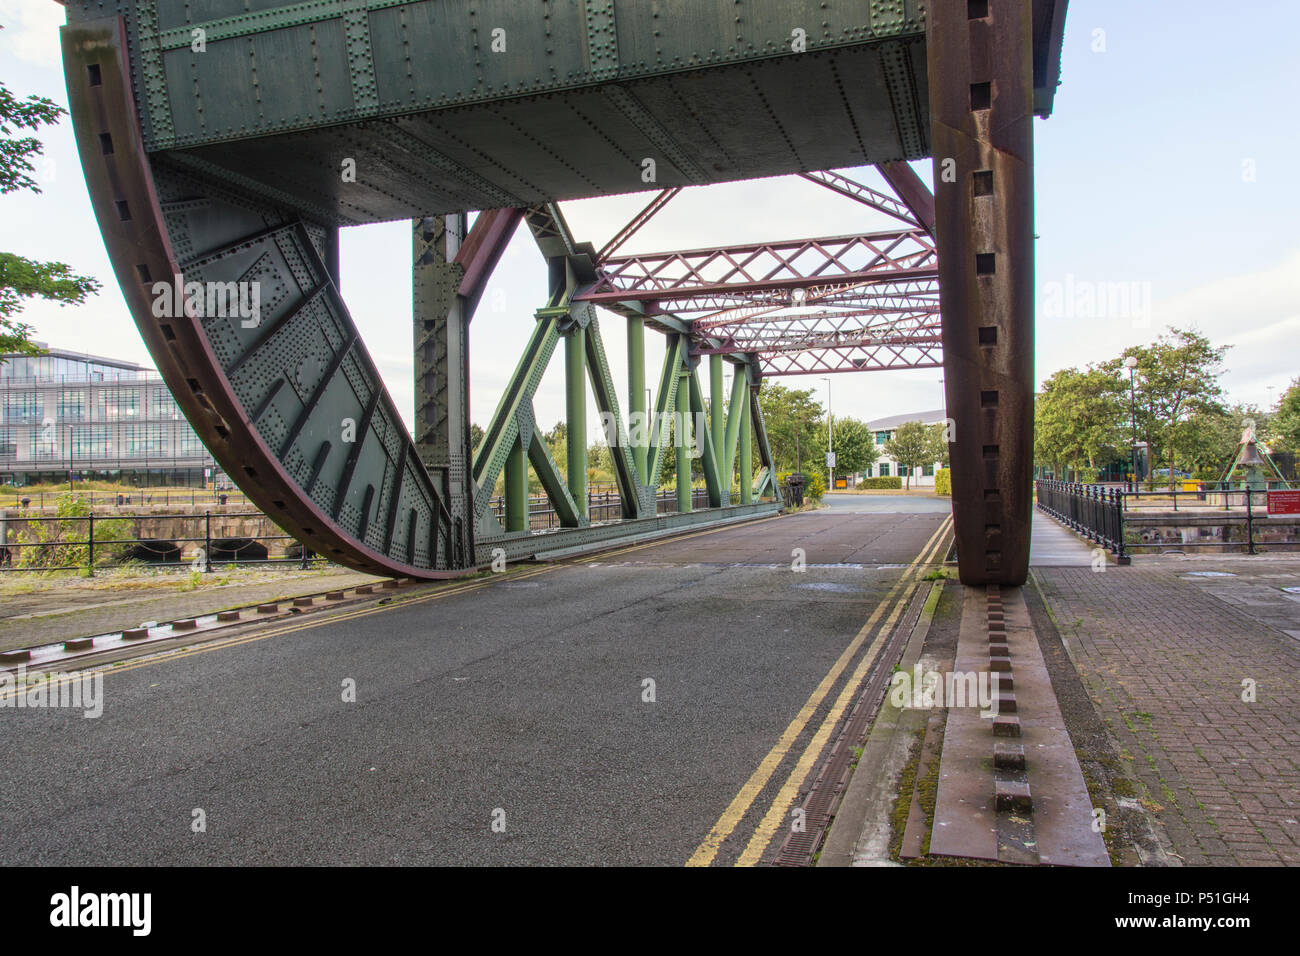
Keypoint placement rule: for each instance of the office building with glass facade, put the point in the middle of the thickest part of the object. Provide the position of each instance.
(66, 415)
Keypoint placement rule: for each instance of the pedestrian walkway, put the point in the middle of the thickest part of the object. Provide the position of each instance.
(1053, 545)
(1201, 694)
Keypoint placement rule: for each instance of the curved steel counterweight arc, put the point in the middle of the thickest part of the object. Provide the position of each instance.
(235, 300)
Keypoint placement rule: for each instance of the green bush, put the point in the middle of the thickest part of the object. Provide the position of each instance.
(59, 538)
(886, 482)
(943, 482)
(814, 487)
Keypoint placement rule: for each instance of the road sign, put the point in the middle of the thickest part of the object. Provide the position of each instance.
(1284, 502)
(830, 459)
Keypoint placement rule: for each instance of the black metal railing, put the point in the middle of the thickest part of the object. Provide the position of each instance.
(603, 505)
(1096, 513)
(85, 542)
(135, 498)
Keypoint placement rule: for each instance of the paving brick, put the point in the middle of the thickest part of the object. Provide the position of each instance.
(1163, 658)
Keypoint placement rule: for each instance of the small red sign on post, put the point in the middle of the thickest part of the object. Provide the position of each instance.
(1284, 502)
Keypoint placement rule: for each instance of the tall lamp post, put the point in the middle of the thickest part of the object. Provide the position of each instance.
(830, 439)
(1130, 363)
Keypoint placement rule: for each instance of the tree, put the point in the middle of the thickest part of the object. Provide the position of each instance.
(795, 422)
(1079, 419)
(855, 446)
(24, 278)
(912, 446)
(1211, 438)
(1285, 421)
(938, 444)
(1177, 377)
(475, 437)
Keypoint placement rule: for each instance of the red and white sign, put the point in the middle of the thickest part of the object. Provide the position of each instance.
(1284, 502)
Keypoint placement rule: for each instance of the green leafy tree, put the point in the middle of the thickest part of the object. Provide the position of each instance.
(938, 444)
(855, 447)
(1211, 437)
(795, 423)
(475, 437)
(21, 278)
(1177, 378)
(912, 446)
(1079, 419)
(1284, 425)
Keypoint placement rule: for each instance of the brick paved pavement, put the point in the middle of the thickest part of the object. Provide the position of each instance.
(1163, 658)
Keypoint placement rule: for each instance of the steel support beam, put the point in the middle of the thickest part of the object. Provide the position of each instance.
(704, 440)
(636, 394)
(548, 473)
(716, 405)
(746, 448)
(449, 273)
(517, 518)
(681, 438)
(981, 110)
(739, 399)
(575, 413)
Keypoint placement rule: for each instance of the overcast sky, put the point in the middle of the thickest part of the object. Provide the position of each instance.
(1167, 172)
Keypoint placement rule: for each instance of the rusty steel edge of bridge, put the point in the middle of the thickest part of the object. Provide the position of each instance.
(292, 405)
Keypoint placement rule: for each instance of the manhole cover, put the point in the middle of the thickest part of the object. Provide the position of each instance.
(1210, 574)
(829, 586)
(520, 584)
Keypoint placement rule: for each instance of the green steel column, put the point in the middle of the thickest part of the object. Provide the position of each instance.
(717, 401)
(636, 404)
(746, 451)
(681, 432)
(575, 405)
(517, 488)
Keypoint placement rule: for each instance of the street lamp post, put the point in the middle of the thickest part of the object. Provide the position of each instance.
(830, 439)
(1130, 363)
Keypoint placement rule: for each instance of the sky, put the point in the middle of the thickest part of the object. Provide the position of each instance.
(1165, 198)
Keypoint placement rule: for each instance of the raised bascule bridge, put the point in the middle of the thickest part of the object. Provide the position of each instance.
(228, 141)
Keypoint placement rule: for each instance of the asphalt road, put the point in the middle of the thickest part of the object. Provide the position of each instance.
(517, 701)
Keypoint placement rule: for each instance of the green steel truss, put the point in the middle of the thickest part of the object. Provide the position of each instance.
(512, 440)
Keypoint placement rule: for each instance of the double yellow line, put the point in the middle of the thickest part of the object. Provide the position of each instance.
(893, 604)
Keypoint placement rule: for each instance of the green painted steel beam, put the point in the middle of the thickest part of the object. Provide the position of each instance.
(681, 428)
(705, 442)
(569, 541)
(517, 486)
(606, 395)
(503, 429)
(716, 405)
(636, 394)
(746, 448)
(759, 429)
(575, 412)
(548, 473)
(739, 398)
(665, 405)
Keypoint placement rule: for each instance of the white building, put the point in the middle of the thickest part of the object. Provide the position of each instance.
(884, 429)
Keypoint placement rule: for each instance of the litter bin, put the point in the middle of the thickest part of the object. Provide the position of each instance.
(794, 489)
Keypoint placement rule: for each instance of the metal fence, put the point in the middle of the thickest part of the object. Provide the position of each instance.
(138, 498)
(1096, 513)
(70, 544)
(1206, 495)
(1119, 519)
(603, 505)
